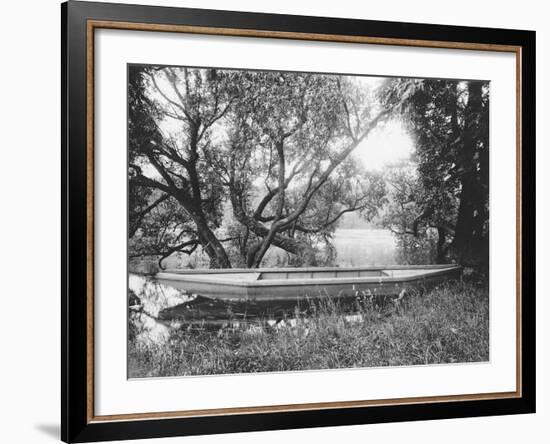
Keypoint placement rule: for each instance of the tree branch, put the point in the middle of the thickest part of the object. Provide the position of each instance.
(284, 223)
(140, 215)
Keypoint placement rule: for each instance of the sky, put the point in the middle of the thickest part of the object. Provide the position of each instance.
(386, 145)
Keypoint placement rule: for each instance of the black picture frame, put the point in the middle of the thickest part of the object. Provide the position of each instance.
(76, 423)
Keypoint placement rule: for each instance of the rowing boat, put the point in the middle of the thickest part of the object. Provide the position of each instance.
(299, 283)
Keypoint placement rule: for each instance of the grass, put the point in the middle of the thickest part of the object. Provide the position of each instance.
(447, 324)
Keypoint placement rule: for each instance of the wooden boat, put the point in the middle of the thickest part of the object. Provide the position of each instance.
(299, 283)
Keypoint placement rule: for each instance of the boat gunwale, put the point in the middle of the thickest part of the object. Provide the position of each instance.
(435, 271)
(307, 269)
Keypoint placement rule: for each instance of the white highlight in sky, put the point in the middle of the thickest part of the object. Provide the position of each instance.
(385, 145)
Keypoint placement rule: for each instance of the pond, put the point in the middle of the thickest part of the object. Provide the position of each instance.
(364, 247)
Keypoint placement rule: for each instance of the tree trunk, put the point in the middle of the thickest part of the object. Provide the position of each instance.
(299, 249)
(441, 250)
(213, 247)
(470, 245)
(209, 242)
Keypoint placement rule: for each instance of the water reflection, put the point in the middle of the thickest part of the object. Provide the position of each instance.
(146, 299)
(154, 296)
(156, 310)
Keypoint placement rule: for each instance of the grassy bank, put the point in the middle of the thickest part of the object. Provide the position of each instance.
(446, 324)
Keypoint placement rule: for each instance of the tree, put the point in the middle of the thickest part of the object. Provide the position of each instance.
(450, 120)
(296, 132)
(274, 147)
(418, 243)
(194, 101)
(162, 231)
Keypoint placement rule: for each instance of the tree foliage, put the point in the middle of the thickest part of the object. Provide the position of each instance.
(450, 122)
(192, 101)
(291, 136)
(234, 163)
(252, 159)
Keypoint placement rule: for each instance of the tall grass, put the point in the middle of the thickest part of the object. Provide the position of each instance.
(447, 324)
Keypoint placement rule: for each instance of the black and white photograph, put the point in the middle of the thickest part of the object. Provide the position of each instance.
(291, 221)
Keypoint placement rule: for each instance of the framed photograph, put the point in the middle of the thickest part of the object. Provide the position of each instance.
(276, 221)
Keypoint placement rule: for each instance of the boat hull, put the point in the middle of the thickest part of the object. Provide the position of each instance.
(284, 284)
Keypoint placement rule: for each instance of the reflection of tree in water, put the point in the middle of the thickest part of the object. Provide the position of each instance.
(154, 296)
(146, 299)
